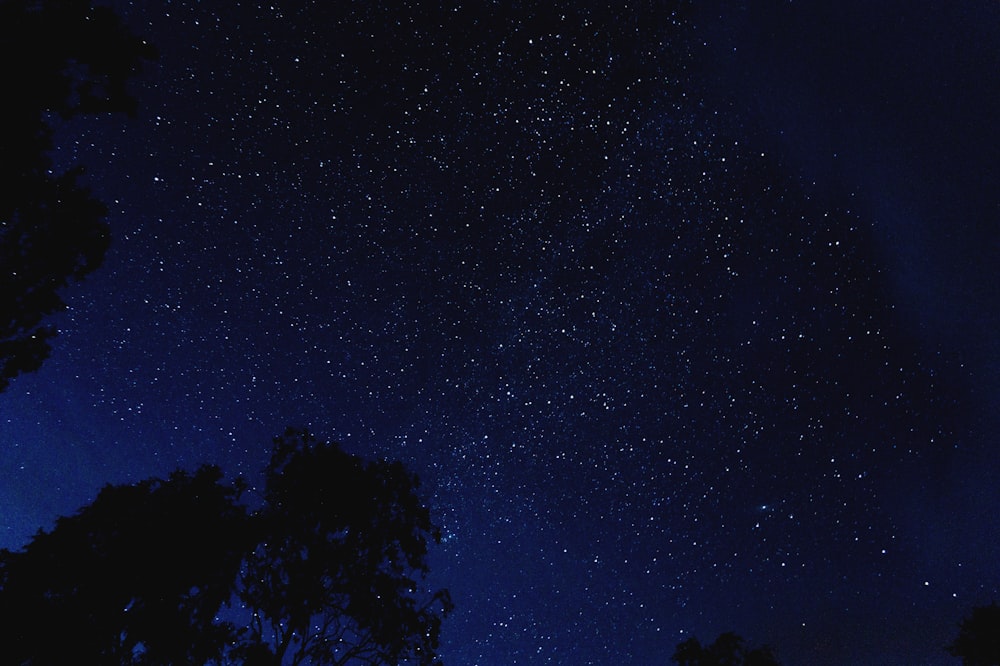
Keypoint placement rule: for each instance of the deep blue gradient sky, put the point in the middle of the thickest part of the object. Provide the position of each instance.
(685, 316)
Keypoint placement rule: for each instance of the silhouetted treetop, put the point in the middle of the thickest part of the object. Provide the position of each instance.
(978, 640)
(729, 649)
(57, 58)
(328, 570)
(136, 577)
(350, 540)
(68, 57)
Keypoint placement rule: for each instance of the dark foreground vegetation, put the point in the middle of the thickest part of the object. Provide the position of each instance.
(326, 567)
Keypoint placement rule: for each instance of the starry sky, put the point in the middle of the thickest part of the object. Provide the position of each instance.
(684, 313)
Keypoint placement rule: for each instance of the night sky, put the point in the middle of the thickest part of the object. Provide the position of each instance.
(685, 316)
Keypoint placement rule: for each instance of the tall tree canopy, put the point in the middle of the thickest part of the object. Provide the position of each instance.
(341, 545)
(58, 58)
(729, 649)
(978, 640)
(327, 570)
(135, 577)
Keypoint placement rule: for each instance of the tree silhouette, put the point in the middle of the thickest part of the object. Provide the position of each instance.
(978, 640)
(58, 58)
(137, 577)
(332, 579)
(728, 649)
(179, 571)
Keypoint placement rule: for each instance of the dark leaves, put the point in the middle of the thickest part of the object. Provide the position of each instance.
(728, 649)
(978, 641)
(179, 571)
(349, 539)
(65, 58)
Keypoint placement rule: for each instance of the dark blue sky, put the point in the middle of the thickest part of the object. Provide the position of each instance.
(685, 316)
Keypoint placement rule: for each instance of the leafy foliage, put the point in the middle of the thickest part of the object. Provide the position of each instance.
(978, 640)
(332, 579)
(728, 649)
(135, 578)
(57, 58)
(326, 571)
